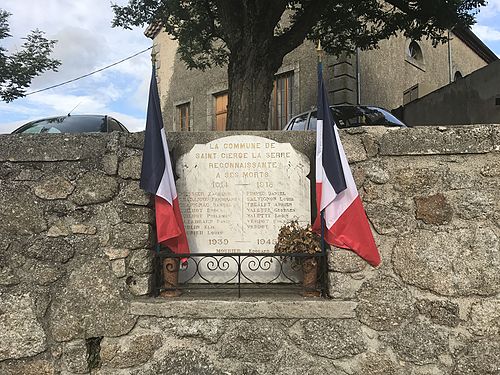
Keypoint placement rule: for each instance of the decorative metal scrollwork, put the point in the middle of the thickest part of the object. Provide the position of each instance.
(240, 271)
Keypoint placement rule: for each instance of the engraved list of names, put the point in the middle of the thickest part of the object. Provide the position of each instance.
(236, 192)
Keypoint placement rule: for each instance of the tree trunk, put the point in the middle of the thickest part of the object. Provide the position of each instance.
(250, 84)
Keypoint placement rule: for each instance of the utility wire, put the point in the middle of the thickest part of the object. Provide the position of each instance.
(89, 74)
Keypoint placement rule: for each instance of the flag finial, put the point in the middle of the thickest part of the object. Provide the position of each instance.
(319, 51)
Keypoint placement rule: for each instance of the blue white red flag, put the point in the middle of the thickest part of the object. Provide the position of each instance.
(157, 178)
(346, 223)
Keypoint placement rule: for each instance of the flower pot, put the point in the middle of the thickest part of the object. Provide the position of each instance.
(170, 267)
(310, 277)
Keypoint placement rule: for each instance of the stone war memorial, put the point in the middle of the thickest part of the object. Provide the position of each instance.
(77, 256)
(236, 192)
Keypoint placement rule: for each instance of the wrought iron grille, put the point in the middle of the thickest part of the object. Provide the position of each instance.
(239, 272)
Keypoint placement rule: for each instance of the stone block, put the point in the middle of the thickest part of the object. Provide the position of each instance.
(491, 170)
(390, 217)
(384, 304)
(56, 188)
(135, 214)
(130, 167)
(181, 361)
(129, 351)
(83, 229)
(342, 286)
(413, 181)
(479, 357)
(114, 253)
(21, 334)
(346, 261)
(141, 261)
(8, 276)
(28, 367)
(463, 262)
(353, 147)
(249, 342)
(132, 194)
(52, 147)
(441, 312)
(377, 174)
(93, 188)
(28, 174)
(74, 357)
(90, 304)
(378, 364)
(130, 236)
(433, 209)
(59, 230)
(430, 141)
(329, 338)
(110, 164)
(485, 318)
(51, 249)
(119, 268)
(418, 342)
(21, 213)
(139, 285)
(41, 273)
(480, 205)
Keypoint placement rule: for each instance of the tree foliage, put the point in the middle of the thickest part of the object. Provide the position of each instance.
(243, 32)
(19, 68)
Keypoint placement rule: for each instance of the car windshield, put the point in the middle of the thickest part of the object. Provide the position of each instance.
(68, 124)
(349, 116)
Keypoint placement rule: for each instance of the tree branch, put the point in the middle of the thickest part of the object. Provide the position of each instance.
(294, 36)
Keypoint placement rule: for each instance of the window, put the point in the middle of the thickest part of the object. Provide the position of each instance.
(184, 116)
(113, 125)
(281, 101)
(414, 51)
(410, 94)
(220, 111)
(300, 122)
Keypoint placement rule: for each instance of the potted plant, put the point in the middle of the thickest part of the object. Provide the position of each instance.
(296, 239)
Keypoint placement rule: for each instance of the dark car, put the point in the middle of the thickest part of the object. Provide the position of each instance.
(347, 116)
(72, 124)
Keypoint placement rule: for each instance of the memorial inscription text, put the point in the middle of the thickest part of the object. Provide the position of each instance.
(236, 192)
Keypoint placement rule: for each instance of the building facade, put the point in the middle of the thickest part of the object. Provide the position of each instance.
(398, 72)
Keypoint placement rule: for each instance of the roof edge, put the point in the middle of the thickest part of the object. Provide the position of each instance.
(467, 36)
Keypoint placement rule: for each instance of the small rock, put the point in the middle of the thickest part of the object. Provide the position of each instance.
(83, 229)
(55, 188)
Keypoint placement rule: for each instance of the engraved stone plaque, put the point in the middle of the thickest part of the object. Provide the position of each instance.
(236, 192)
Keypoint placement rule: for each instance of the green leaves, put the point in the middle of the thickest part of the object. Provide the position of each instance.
(19, 68)
(209, 30)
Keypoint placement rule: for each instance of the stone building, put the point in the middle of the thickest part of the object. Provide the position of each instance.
(398, 72)
(475, 99)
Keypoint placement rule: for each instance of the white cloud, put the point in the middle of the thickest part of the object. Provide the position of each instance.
(492, 9)
(9, 127)
(86, 42)
(486, 33)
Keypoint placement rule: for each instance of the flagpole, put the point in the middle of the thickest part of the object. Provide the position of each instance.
(324, 263)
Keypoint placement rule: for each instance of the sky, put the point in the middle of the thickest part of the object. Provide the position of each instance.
(87, 42)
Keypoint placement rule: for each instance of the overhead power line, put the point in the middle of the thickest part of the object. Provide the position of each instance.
(89, 74)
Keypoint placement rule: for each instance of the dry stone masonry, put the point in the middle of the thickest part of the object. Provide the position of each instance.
(76, 265)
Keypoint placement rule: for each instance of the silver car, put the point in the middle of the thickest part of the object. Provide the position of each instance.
(347, 116)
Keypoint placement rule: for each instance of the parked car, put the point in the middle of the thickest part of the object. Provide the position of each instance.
(72, 124)
(347, 116)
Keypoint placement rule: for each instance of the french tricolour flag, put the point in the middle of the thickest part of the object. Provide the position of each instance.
(157, 178)
(345, 218)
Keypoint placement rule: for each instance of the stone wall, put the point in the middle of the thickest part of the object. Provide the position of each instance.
(473, 99)
(75, 266)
